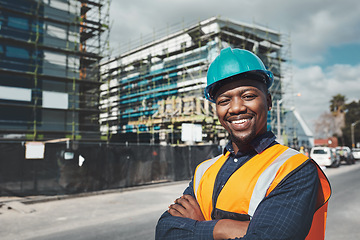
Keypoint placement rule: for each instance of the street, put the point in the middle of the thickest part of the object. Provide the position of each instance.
(344, 205)
(132, 214)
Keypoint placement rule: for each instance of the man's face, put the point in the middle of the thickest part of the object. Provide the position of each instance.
(242, 108)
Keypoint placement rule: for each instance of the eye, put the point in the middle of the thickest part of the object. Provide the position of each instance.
(222, 101)
(249, 97)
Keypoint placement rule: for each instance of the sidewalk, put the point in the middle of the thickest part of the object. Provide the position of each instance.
(4, 200)
(117, 215)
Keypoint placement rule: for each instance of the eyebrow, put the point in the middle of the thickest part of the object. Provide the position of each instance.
(242, 91)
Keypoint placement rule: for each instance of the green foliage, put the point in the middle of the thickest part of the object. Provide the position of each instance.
(337, 104)
(352, 114)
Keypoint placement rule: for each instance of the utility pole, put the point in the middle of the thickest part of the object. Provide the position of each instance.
(352, 133)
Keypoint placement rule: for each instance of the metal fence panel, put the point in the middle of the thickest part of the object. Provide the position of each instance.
(95, 166)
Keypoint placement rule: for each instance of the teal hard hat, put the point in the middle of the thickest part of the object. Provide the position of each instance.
(235, 62)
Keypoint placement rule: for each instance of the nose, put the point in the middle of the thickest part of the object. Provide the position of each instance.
(237, 106)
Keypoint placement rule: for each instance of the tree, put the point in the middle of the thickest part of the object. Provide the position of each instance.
(337, 122)
(337, 104)
(337, 107)
(352, 115)
(325, 125)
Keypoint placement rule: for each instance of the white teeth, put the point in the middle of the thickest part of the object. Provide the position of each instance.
(240, 121)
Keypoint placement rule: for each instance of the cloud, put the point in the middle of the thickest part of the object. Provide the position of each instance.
(326, 28)
(317, 87)
(314, 25)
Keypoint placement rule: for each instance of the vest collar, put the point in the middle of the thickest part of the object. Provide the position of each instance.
(259, 144)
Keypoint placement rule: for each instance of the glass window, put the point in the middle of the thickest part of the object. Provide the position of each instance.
(17, 52)
(19, 23)
(320, 151)
(15, 93)
(55, 100)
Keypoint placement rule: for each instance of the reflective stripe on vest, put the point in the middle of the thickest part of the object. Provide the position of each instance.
(261, 174)
(266, 179)
(200, 171)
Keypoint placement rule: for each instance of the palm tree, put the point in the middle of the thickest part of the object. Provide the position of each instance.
(337, 104)
(337, 107)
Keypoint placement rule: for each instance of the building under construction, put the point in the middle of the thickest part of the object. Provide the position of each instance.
(49, 76)
(154, 91)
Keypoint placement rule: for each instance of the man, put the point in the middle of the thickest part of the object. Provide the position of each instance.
(258, 188)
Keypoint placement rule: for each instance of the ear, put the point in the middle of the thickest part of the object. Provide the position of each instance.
(269, 101)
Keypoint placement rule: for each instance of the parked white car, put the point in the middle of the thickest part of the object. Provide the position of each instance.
(356, 153)
(345, 154)
(325, 156)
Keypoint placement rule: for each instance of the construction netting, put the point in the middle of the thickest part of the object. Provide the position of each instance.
(85, 167)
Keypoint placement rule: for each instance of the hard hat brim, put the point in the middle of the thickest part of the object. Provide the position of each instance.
(265, 77)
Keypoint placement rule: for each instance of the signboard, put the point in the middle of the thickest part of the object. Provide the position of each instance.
(34, 150)
(191, 132)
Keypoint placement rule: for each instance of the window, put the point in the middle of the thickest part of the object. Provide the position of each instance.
(55, 100)
(19, 23)
(320, 151)
(15, 93)
(17, 52)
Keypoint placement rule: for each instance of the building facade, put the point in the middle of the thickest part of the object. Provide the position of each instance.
(152, 92)
(296, 133)
(49, 76)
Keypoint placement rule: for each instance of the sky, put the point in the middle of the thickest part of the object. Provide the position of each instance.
(324, 37)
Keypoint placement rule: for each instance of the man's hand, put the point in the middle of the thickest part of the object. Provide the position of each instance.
(186, 206)
(227, 228)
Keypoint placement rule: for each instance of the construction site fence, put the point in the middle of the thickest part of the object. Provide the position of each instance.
(86, 167)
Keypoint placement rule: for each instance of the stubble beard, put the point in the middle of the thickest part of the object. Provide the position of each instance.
(242, 140)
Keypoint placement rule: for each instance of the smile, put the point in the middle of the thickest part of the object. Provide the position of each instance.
(240, 124)
(240, 121)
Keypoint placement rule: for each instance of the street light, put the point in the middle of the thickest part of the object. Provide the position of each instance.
(279, 101)
(352, 133)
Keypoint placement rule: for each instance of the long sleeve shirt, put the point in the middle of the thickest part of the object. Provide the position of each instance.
(286, 213)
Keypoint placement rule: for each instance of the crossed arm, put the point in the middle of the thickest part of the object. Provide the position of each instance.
(187, 207)
(285, 214)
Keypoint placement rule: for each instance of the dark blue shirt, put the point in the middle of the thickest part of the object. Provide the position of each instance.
(286, 213)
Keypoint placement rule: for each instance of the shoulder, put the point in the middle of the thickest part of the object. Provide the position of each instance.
(306, 174)
(302, 183)
(308, 168)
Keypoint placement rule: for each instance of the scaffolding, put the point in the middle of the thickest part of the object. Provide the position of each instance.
(50, 53)
(151, 90)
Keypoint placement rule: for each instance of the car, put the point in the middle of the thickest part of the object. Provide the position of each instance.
(356, 153)
(345, 154)
(325, 156)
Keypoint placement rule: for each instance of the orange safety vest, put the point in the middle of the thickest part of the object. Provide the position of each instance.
(258, 176)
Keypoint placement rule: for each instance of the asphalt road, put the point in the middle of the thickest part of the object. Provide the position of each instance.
(133, 214)
(344, 205)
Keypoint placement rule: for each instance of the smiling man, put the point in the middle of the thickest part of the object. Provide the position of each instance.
(242, 108)
(258, 188)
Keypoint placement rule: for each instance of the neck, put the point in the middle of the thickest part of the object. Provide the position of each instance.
(241, 147)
